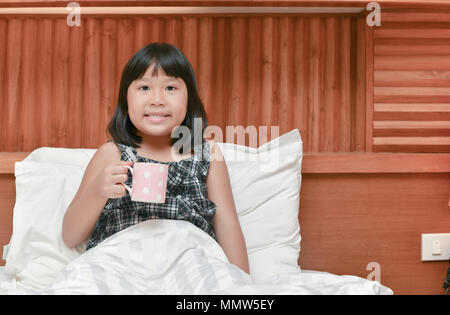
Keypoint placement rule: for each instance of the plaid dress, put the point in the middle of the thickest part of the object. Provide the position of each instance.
(186, 197)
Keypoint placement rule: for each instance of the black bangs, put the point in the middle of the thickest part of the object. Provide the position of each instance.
(165, 57)
(173, 62)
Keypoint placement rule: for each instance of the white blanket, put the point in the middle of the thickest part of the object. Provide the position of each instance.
(176, 257)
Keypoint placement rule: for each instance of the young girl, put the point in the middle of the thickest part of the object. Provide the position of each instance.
(157, 93)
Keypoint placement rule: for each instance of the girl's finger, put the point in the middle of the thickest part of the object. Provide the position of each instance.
(120, 178)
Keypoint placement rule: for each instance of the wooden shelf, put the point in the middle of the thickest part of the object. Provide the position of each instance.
(376, 163)
(439, 4)
(317, 163)
(8, 159)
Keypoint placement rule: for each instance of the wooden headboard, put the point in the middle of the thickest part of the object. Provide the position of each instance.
(372, 105)
(354, 210)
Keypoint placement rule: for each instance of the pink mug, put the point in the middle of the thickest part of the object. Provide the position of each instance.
(149, 182)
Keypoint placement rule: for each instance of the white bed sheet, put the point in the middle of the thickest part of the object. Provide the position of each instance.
(5, 280)
(306, 282)
(175, 257)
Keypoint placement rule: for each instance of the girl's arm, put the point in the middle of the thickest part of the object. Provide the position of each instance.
(83, 212)
(226, 224)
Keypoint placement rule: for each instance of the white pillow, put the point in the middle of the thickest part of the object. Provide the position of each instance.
(44, 190)
(266, 185)
(266, 196)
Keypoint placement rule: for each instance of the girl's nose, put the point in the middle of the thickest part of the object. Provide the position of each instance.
(156, 99)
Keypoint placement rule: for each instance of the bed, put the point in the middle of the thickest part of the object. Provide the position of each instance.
(168, 256)
(371, 103)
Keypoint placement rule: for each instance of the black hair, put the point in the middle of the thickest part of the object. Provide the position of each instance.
(175, 64)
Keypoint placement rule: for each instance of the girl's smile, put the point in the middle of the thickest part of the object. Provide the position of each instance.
(155, 118)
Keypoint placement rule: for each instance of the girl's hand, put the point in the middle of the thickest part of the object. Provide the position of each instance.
(109, 182)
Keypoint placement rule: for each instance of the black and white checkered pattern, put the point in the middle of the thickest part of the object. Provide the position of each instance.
(186, 197)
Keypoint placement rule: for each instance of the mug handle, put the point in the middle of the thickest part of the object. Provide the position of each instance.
(128, 188)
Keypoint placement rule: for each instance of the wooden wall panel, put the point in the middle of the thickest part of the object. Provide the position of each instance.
(412, 82)
(60, 84)
(350, 220)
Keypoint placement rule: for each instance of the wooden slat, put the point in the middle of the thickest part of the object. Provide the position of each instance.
(406, 50)
(412, 33)
(411, 116)
(316, 53)
(43, 102)
(11, 97)
(327, 106)
(430, 25)
(429, 78)
(405, 99)
(411, 124)
(91, 114)
(29, 75)
(375, 163)
(412, 141)
(239, 78)
(347, 100)
(412, 62)
(286, 83)
(415, 15)
(412, 148)
(412, 108)
(77, 56)
(410, 42)
(411, 132)
(360, 85)
(59, 94)
(108, 79)
(407, 91)
(8, 159)
(369, 86)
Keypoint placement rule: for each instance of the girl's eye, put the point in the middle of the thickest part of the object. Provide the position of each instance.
(144, 88)
(171, 88)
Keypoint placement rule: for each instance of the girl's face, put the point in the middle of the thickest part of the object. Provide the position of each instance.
(157, 104)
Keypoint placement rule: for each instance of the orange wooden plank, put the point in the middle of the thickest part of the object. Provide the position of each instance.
(31, 111)
(443, 33)
(375, 163)
(412, 108)
(369, 86)
(77, 57)
(8, 159)
(254, 60)
(416, 15)
(408, 78)
(412, 63)
(360, 85)
(406, 50)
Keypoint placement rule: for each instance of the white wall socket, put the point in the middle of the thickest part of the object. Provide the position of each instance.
(435, 247)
